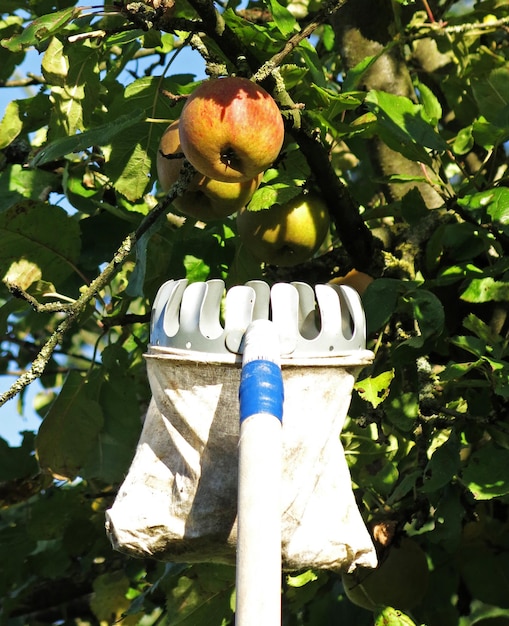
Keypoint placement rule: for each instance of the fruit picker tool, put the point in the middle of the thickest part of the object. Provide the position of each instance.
(270, 492)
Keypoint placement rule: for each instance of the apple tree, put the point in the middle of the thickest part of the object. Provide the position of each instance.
(396, 114)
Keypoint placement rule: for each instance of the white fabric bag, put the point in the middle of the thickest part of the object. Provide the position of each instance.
(178, 501)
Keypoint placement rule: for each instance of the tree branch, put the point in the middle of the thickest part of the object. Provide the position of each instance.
(74, 310)
(320, 18)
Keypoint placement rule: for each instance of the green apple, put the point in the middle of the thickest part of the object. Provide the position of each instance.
(204, 199)
(231, 129)
(286, 234)
(399, 581)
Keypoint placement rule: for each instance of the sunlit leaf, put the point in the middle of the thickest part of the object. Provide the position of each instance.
(41, 29)
(110, 597)
(284, 20)
(492, 95)
(443, 465)
(405, 126)
(486, 290)
(40, 234)
(11, 124)
(389, 616)
(100, 135)
(487, 472)
(375, 389)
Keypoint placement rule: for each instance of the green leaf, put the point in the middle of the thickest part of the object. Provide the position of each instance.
(492, 95)
(202, 597)
(299, 580)
(110, 459)
(389, 616)
(407, 484)
(375, 389)
(402, 410)
(11, 124)
(335, 103)
(430, 102)
(486, 473)
(137, 277)
(488, 135)
(24, 183)
(100, 135)
(42, 235)
(493, 203)
(71, 429)
(109, 599)
(283, 19)
(355, 74)
(405, 126)
(196, 269)
(443, 466)
(380, 301)
(486, 290)
(281, 185)
(18, 462)
(498, 208)
(133, 153)
(73, 73)
(428, 312)
(464, 141)
(485, 571)
(41, 29)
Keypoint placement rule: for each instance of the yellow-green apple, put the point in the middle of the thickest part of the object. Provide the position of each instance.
(231, 129)
(286, 234)
(204, 199)
(400, 580)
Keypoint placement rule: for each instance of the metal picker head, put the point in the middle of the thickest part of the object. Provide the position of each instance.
(325, 321)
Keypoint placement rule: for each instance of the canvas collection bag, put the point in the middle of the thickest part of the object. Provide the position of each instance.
(178, 501)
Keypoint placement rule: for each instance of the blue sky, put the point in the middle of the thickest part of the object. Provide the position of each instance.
(15, 416)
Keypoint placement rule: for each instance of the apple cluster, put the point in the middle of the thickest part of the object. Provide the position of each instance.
(231, 131)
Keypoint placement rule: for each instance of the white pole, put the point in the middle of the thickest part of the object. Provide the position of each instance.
(258, 576)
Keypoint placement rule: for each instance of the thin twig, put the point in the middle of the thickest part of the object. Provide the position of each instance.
(320, 18)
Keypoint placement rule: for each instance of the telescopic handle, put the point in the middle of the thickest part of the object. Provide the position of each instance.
(258, 593)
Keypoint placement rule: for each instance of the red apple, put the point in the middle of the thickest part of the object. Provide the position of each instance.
(204, 199)
(231, 129)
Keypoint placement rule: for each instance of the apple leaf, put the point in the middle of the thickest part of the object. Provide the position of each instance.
(388, 616)
(42, 235)
(486, 290)
(41, 29)
(71, 429)
(492, 95)
(355, 74)
(11, 124)
(487, 472)
(443, 466)
(404, 126)
(96, 136)
(17, 462)
(109, 599)
(380, 301)
(284, 20)
(430, 102)
(375, 389)
(202, 597)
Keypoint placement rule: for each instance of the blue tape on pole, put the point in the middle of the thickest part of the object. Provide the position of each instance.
(261, 389)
